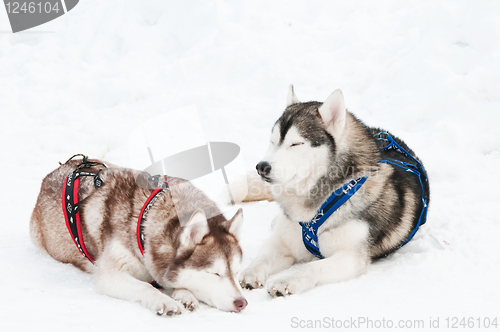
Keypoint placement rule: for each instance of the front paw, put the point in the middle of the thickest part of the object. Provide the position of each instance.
(284, 286)
(186, 298)
(165, 305)
(251, 279)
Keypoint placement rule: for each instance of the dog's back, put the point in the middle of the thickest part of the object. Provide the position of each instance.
(48, 228)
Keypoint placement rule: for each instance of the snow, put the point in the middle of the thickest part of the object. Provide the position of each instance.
(429, 71)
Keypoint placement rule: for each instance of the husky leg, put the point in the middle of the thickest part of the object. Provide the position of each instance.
(273, 259)
(122, 285)
(117, 276)
(339, 267)
(346, 252)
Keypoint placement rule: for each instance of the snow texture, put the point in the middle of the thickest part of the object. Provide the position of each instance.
(429, 71)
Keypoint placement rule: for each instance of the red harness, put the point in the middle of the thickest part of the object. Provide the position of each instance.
(71, 206)
(142, 216)
(73, 219)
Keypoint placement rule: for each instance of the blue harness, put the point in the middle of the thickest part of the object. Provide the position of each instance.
(340, 196)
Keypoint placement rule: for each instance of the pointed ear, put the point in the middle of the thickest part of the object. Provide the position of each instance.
(333, 113)
(195, 229)
(234, 224)
(292, 98)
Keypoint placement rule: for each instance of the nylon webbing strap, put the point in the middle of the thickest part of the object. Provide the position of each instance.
(339, 197)
(71, 206)
(142, 218)
(416, 169)
(160, 186)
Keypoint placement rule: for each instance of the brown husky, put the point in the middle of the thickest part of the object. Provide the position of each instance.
(199, 260)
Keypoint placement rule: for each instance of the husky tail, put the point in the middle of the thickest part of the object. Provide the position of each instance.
(246, 188)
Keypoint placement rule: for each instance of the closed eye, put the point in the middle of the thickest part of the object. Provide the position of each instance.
(214, 273)
(298, 143)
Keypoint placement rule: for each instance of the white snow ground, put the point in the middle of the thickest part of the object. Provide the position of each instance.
(429, 71)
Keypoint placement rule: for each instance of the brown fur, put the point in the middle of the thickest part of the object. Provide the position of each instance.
(112, 212)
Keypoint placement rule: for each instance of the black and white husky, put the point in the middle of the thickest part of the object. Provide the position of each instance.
(315, 149)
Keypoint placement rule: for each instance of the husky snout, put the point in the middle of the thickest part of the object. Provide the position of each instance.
(264, 170)
(219, 293)
(240, 304)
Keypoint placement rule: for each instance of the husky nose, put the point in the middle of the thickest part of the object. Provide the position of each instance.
(240, 303)
(263, 168)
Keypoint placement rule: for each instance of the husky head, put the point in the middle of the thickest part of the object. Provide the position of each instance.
(208, 260)
(303, 141)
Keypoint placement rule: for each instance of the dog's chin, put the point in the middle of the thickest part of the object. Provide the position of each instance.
(221, 308)
(267, 179)
(281, 182)
(297, 184)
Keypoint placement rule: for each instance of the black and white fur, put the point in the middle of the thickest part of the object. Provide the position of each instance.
(315, 148)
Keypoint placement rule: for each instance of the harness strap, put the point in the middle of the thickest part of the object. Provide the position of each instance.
(160, 186)
(339, 197)
(142, 217)
(70, 203)
(417, 169)
(71, 207)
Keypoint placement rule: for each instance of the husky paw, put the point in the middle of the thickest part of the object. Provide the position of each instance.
(186, 298)
(165, 305)
(283, 287)
(251, 279)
